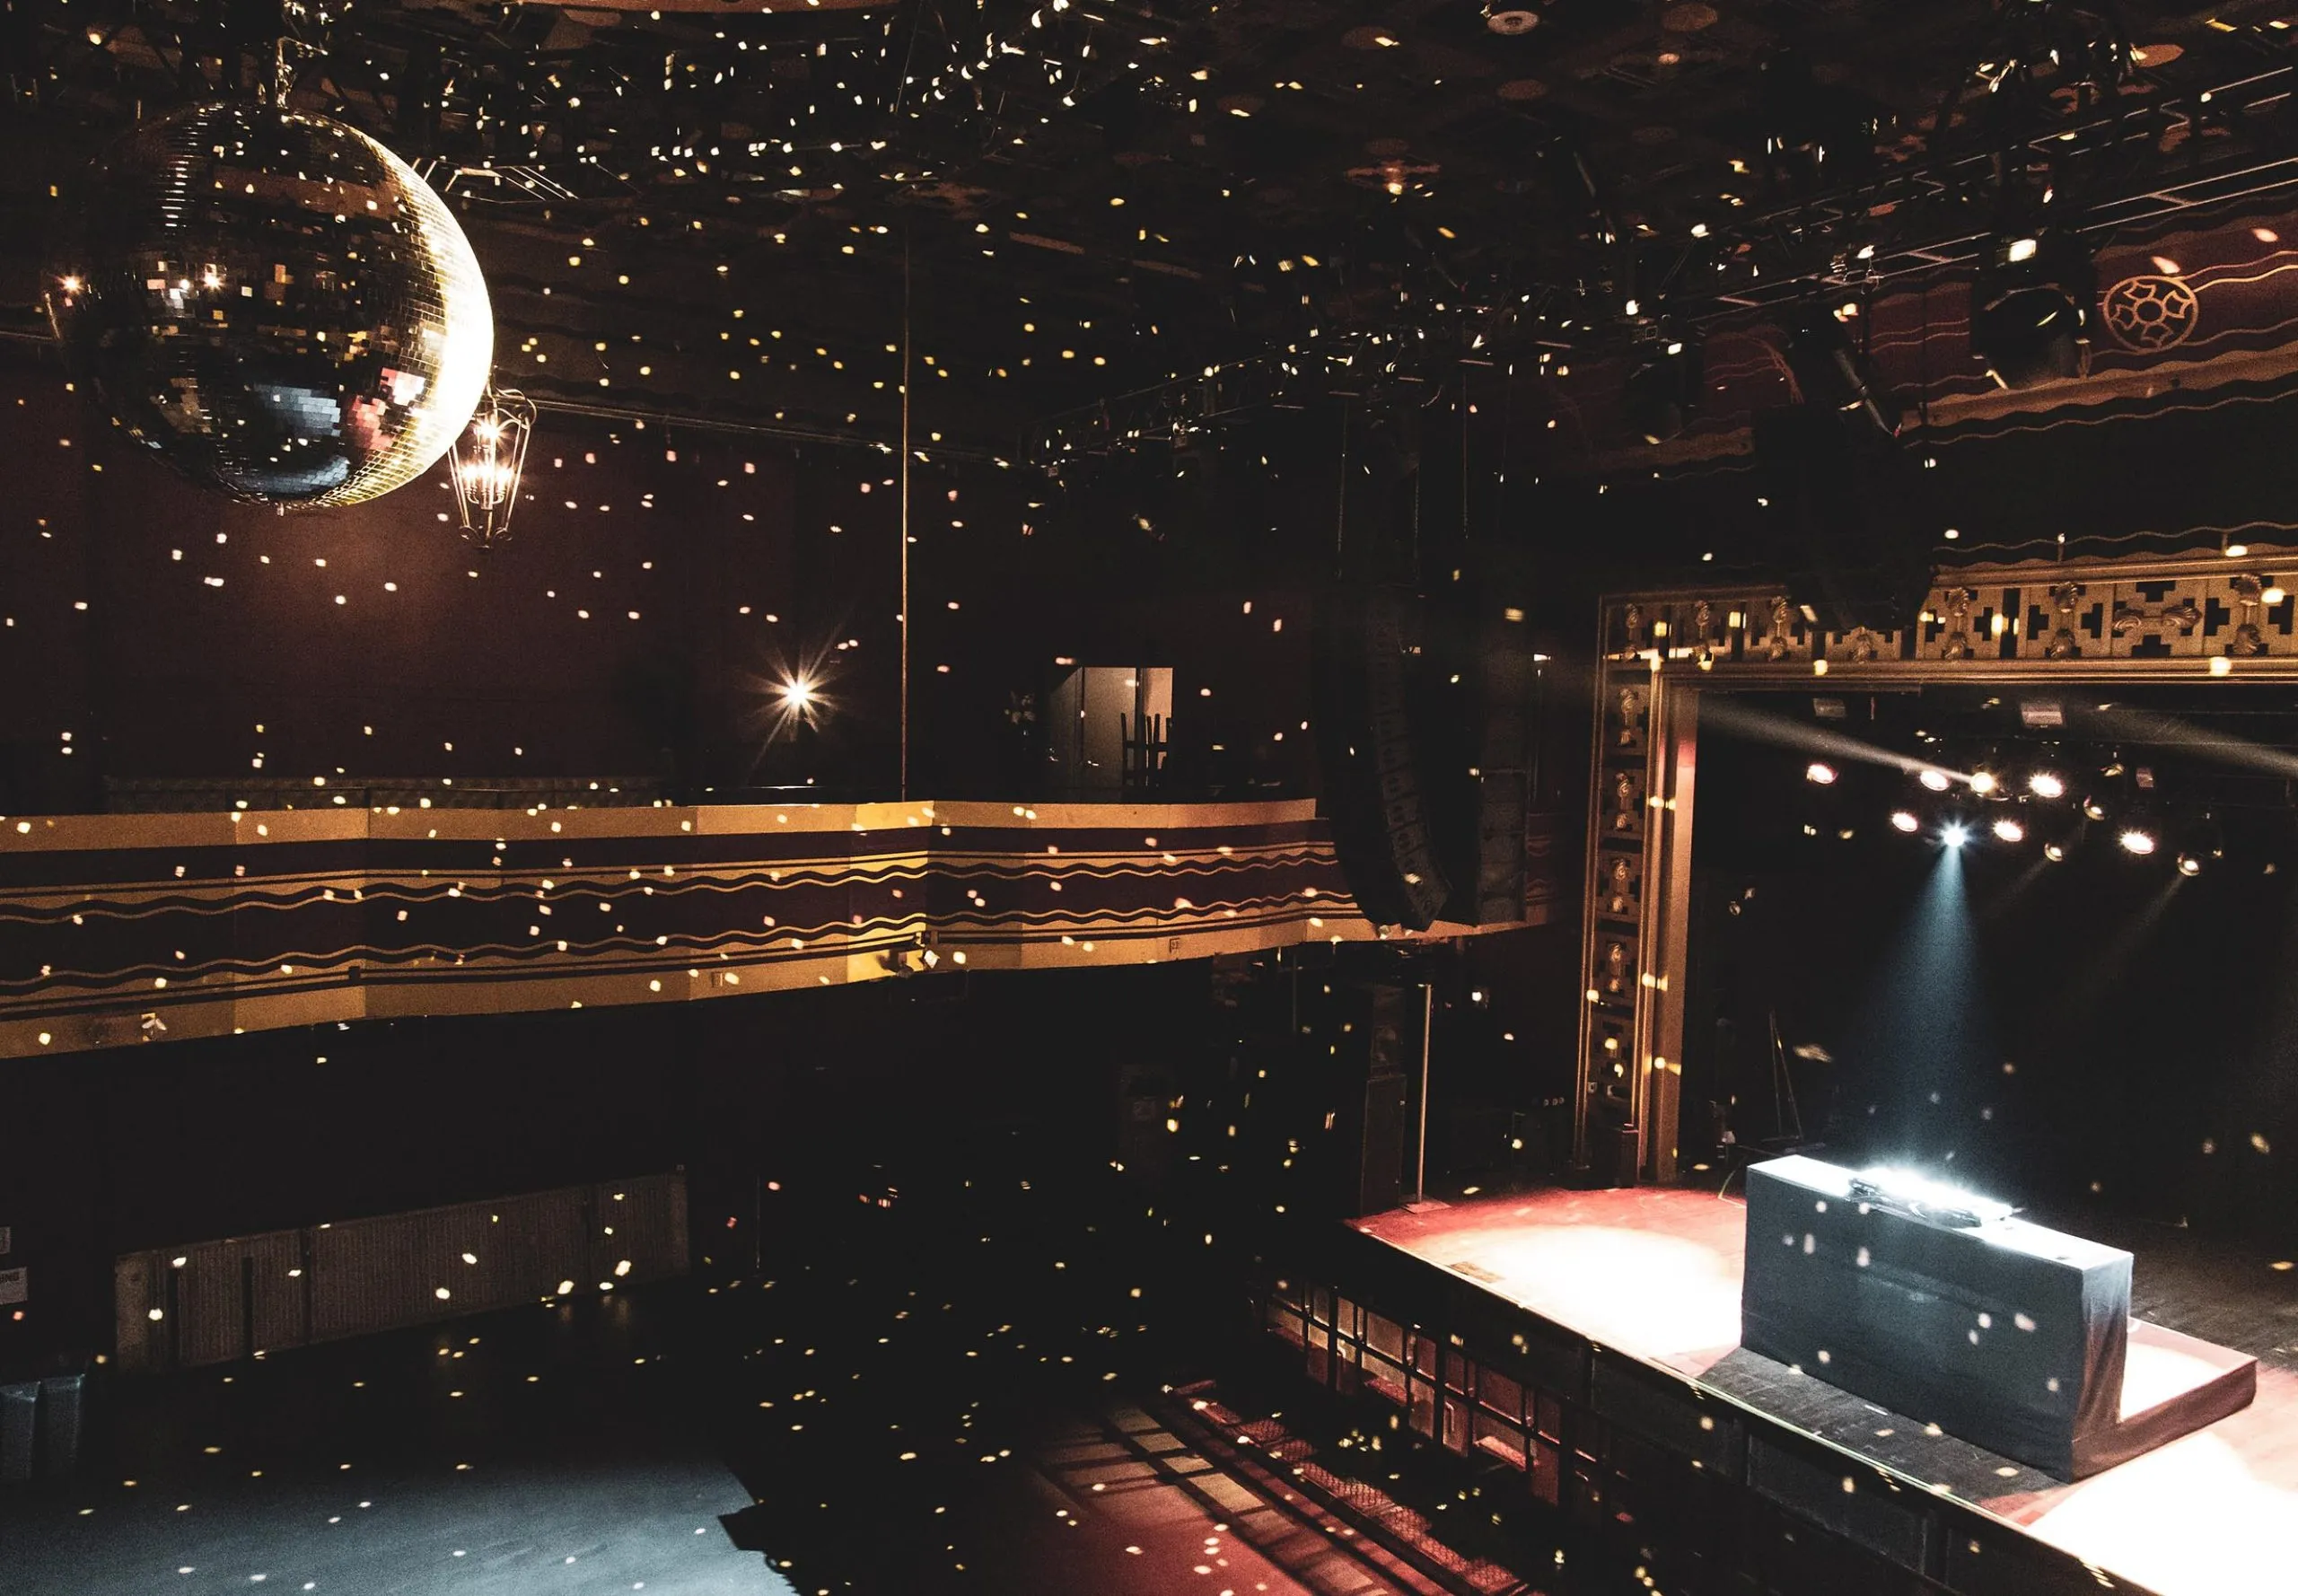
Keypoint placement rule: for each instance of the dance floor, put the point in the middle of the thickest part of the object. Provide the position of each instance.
(1655, 1273)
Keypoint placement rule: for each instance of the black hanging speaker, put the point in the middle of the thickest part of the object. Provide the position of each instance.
(1374, 788)
(1507, 684)
(1502, 818)
(1846, 529)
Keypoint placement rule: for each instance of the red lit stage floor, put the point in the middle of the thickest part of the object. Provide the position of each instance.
(1655, 1273)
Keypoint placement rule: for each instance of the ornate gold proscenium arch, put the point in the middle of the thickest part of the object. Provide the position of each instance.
(2188, 618)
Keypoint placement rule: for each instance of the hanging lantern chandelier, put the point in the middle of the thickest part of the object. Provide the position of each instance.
(489, 459)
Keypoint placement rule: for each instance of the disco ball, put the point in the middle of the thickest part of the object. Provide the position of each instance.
(275, 305)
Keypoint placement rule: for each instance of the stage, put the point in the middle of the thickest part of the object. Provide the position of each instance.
(1654, 1273)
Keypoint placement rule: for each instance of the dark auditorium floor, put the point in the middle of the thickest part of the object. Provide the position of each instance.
(886, 1410)
(509, 1453)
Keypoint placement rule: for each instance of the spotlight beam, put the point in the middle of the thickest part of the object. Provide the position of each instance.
(1757, 725)
(2140, 726)
(2097, 975)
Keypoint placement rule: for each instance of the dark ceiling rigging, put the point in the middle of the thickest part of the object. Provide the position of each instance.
(1314, 188)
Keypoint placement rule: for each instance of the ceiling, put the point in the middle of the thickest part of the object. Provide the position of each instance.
(1081, 199)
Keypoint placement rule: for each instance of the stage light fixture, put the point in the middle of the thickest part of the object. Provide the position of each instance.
(2062, 833)
(1901, 1188)
(1832, 371)
(2201, 843)
(2047, 784)
(1663, 388)
(1846, 527)
(2094, 808)
(1955, 834)
(1820, 772)
(2030, 309)
(797, 694)
(1938, 781)
(2010, 830)
(1903, 820)
(1983, 783)
(2137, 839)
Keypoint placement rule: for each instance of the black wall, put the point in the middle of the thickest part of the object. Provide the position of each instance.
(2101, 1032)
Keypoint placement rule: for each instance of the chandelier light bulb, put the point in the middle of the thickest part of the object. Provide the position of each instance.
(489, 459)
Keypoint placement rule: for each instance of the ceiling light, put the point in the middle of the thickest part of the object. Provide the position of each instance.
(1938, 781)
(1823, 774)
(486, 463)
(2137, 840)
(2044, 784)
(1902, 821)
(2009, 831)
